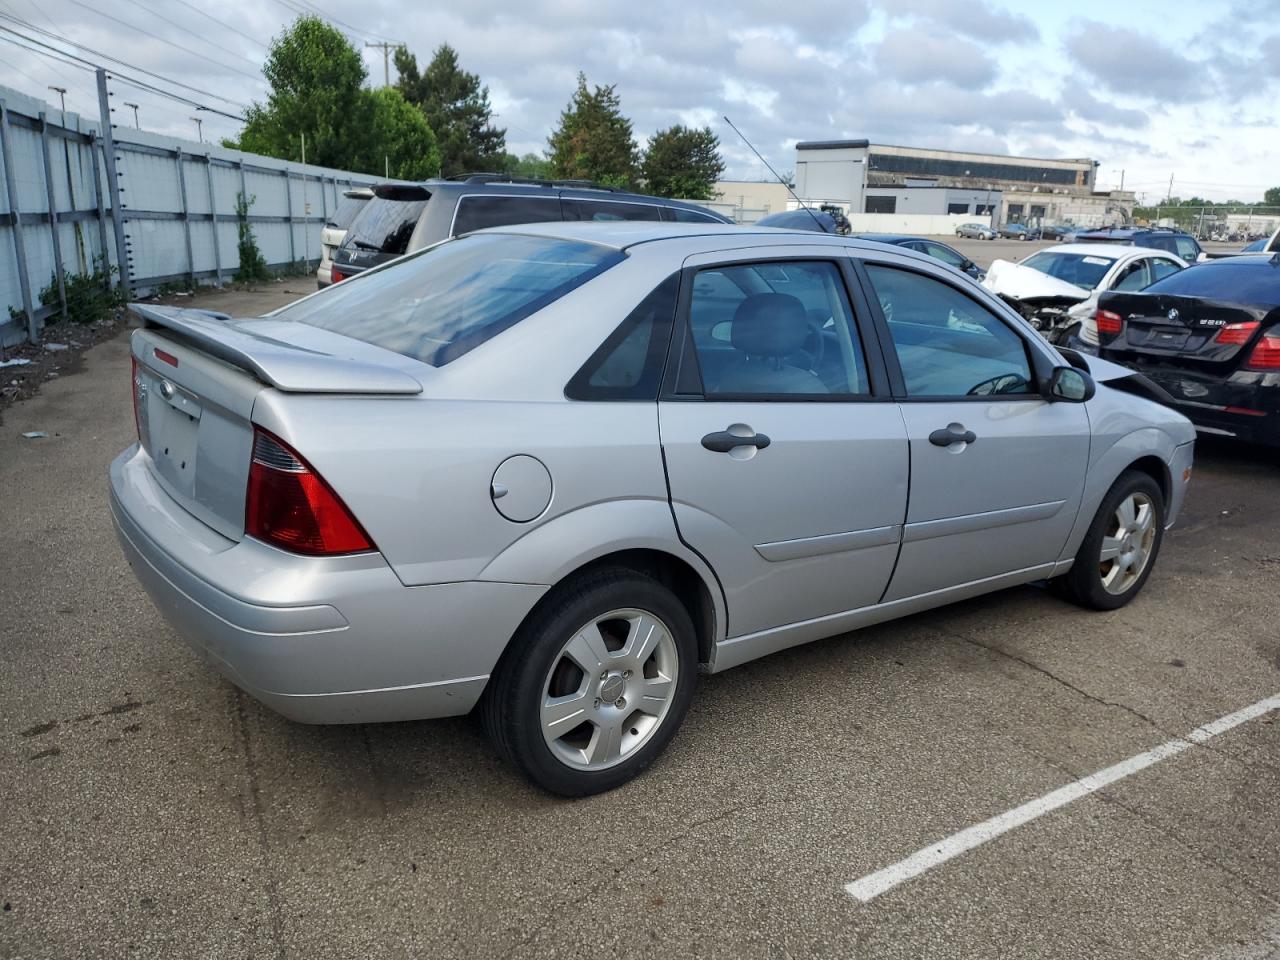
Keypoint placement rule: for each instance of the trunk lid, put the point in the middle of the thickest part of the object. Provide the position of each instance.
(1161, 326)
(197, 377)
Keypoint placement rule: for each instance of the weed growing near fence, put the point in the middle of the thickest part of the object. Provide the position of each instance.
(253, 265)
(90, 296)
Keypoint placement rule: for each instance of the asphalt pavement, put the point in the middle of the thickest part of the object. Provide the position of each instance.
(151, 810)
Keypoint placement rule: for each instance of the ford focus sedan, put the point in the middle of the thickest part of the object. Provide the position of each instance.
(551, 473)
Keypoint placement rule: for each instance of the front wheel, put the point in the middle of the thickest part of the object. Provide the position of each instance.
(1121, 546)
(595, 683)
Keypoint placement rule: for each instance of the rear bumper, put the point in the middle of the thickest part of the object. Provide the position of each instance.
(1245, 406)
(320, 640)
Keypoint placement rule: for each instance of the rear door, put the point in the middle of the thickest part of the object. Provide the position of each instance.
(996, 471)
(786, 458)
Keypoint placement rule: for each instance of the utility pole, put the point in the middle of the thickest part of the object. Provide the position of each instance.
(386, 49)
(1169, 196)
(304, 148)
(1122, 181)
(199, 127)
(134, 107)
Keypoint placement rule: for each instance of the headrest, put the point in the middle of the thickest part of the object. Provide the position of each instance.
(770, 325)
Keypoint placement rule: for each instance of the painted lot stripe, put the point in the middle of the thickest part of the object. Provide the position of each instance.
(874, 884)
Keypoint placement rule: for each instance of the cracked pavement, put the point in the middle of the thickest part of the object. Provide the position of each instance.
(150, 810)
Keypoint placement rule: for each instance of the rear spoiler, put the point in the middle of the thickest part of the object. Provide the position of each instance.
(284, 366)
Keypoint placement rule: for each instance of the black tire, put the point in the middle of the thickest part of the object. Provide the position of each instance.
(510, 708)
(1083, 583)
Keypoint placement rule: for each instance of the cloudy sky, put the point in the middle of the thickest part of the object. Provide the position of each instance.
(1150, 87)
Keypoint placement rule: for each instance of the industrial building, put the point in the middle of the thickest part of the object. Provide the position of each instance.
(868, 178)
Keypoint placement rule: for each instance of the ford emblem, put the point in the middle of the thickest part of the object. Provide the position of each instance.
(1173, 314)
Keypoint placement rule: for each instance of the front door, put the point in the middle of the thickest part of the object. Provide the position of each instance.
(788, 471)
(996, 471)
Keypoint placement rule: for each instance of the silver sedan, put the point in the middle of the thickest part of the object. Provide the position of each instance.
(551, 473)
(976, 231)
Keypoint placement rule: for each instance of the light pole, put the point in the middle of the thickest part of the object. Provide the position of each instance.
(134, 106)
(199, 127)
(62, 96)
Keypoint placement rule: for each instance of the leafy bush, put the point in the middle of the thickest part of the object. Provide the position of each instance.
(90, 296)
(253, 265)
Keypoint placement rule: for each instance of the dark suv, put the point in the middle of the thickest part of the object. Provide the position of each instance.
(402, 218)
(1171, 241)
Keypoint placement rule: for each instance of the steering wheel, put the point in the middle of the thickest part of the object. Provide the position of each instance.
(1004, 383)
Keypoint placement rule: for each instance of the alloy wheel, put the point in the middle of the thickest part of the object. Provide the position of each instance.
(609, 689)
(1126, 547)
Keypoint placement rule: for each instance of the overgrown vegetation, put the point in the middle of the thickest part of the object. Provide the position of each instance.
(253, 265)
(90, 296)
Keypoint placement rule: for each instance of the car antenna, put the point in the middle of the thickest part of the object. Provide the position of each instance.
(803, 206)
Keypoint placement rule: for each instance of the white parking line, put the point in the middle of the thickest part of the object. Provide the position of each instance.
(874, 884)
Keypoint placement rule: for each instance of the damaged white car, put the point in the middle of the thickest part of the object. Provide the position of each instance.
(1056, 289)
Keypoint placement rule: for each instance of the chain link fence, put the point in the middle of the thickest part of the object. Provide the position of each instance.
(1228, 224)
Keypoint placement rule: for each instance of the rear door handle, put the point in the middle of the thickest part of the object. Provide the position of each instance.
(952, 433)
(724, 441)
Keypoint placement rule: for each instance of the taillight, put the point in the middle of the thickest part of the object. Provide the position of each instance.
(336, 275)
(1109, 322)
(1266, 355)
(290, 506)
(1234, 334)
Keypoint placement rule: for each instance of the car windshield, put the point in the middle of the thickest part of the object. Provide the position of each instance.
(446, 300)
(346, 211)
(1254, 281)
(1084, 270)
(385, 225)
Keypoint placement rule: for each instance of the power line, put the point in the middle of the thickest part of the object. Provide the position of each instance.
(174, 23)
(315, 10)
(176, 46)
(236, 30)
(105, 56)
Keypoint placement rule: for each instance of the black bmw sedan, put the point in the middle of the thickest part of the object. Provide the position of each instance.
(1210, 336)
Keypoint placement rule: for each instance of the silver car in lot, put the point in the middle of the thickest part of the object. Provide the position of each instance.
(553, 472)
(975, 231)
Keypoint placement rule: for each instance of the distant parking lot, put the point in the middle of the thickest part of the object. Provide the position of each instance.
(152, 810)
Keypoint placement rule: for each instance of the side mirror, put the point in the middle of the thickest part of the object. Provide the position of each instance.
(1070, 385)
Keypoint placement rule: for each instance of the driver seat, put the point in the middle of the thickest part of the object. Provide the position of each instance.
(767, 329)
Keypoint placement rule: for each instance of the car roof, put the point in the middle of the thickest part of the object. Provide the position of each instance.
(1116, 250)
(886, 237)
(1135, 231)
(568, 189)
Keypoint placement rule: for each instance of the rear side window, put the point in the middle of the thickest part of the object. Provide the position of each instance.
(503, 210)
(346, 211)
(681, 215)
(628, 366)
(444, 301)
(385, 225)
(1252, 281)
(610, 210)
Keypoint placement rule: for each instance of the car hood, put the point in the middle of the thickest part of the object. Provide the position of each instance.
(1012, 280)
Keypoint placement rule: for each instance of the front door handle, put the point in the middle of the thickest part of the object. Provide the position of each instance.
(724, 441)
(952, 433)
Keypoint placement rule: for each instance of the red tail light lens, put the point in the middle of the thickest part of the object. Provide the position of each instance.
(336, 276)
(1266, 355)
(1109, 322)
(290, 506)
(1234, 334)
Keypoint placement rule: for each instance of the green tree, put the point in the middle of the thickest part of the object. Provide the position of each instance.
(683, 162)
(317, 89)
(530, 165)
(1272, 197)
(593, 140)
(456, 106)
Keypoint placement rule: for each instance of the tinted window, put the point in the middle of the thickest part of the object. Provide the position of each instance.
(444, 301)
(945, 254)
(1161, 268)
(502, 210)
(1186, 248)
(947, 344)
(681, 215)
(1254, 281)
(346, 211)
(611, 210)
(629, 365)
(385, 225)
(775, 330)
(1133, 277)
(1082, 269)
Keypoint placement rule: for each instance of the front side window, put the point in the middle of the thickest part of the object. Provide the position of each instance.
(446, 300)
(776, 330)
(947, 344)
(503, 210)
(1186, 248)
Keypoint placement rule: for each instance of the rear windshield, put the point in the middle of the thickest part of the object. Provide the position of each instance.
(446, 300)
(1082, 269)
(346, 211)
(1253, 280)
(385, 225)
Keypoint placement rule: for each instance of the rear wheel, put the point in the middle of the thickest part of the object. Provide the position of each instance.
(595, 683)
(1121, 546)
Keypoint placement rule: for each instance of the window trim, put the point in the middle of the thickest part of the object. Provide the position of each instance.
(1038, 361)
(682, 381)
(457, 204)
